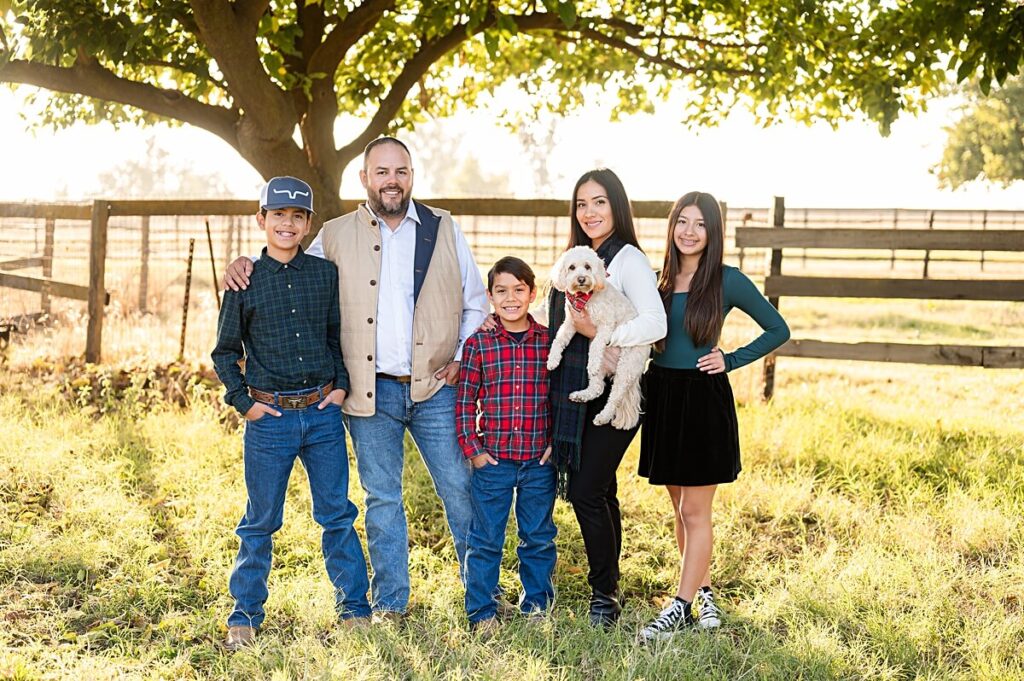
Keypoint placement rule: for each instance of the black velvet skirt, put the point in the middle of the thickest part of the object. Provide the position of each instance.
(690, 436)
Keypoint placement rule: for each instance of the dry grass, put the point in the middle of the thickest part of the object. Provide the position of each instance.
(874, 533)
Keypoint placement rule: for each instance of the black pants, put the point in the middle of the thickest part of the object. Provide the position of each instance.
(592, 493)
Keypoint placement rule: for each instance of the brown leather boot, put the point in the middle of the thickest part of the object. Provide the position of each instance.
(239, 637)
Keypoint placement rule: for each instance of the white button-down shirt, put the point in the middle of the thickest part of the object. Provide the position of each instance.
(395, 302)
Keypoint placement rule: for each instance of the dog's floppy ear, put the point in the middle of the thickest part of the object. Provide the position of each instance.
(599, 273)
(557, 280)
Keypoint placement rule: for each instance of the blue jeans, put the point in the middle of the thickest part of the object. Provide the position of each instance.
(493, 487)
(271, 444)
(380, 454)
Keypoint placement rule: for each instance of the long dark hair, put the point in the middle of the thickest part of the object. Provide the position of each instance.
(622, 212)
(703, 319)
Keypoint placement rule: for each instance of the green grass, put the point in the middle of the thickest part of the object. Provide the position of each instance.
(874, 533)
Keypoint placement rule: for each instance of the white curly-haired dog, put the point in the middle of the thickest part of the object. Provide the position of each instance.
(580, 274)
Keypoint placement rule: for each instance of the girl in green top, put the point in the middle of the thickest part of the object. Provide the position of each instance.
(690, 440)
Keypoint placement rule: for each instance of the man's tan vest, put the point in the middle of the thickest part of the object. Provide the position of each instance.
(353, 243)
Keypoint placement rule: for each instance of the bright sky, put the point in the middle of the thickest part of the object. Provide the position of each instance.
(656, 156)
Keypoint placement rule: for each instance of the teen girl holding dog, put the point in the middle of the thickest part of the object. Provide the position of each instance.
(690, 441)
(600, 217)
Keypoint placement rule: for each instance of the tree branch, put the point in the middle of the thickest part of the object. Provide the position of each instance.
(229, 33)
(183, 69)
(638, 51)
(249, 12)
(416, 67)
(90, 79)
(641, 33)
(345, 34)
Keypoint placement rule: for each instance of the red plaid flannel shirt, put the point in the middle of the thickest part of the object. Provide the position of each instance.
(502, 407)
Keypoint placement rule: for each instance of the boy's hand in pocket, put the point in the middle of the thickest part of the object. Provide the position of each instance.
(481, 460)
(257, 411)
(336, 396)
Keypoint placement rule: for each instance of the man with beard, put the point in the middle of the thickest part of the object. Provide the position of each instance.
(410, 295)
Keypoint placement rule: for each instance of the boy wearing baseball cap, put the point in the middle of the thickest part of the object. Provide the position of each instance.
(287, 326)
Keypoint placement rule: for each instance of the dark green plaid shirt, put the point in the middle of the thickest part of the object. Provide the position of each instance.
(287, 325)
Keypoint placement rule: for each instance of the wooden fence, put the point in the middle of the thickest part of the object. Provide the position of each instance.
(778, 237)
(815, 230)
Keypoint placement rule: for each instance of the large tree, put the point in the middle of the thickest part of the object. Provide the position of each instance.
(270, 77)
(988, 140)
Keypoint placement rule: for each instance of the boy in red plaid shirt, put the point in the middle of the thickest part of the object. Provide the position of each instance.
(504, 427)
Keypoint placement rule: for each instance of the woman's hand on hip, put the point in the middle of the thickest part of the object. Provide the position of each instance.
(713, 362)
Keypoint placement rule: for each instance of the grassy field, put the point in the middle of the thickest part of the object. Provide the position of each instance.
(876, 532)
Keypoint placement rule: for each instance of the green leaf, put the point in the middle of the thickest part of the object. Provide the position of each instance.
(507, 24)
(491, 43)
(567, 13)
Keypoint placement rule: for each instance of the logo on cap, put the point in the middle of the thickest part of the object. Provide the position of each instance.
(292, 193)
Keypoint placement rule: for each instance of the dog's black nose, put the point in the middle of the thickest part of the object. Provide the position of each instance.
(581, 280)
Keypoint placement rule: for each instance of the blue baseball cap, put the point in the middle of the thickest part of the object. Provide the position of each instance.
(286, 192)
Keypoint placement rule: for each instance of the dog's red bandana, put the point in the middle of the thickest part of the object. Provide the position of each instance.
(578, 301)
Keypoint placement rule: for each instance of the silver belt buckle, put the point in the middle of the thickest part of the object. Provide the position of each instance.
(293, 401)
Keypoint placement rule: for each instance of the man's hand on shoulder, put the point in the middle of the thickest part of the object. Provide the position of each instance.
(336, 396)
(450, 373)
(488, 324)
(236, 277)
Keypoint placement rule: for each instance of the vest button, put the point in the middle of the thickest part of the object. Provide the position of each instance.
(376, 247)
(369, 358)
(370, 320)
(373, 222)
(373, 282)
(369, 394)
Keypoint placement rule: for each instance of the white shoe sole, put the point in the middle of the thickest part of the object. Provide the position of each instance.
(709, 623)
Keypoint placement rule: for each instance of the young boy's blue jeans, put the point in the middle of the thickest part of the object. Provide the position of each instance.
(493, 488)
(271, 445)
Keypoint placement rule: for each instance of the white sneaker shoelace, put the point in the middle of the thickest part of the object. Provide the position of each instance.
(671, 619)
(709, 617)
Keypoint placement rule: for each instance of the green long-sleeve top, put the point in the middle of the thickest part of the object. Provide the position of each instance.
(737, 291)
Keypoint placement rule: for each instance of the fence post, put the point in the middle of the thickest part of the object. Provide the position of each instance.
(984, 224)
(803, 257)
(97, 279)
(144, 266)
(928, 253)
(778, 220)
(895, 225)
(741, 248)
(536, 237)
(553, 255)
(44, 296)
(184, 304)
(230, 243)
(724, 206)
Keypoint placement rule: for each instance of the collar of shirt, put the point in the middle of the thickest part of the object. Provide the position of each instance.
(531, 331)
(276, 265)
(410, 214)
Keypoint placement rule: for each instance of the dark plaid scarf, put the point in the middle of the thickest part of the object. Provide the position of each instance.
(571, 375)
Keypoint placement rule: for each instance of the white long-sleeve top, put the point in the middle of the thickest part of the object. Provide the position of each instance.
(630, 271)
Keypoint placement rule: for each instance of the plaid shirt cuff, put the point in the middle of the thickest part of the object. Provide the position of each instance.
(242, 402)
(472, 447)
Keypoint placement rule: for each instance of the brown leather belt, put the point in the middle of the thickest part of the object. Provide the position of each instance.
(400, 379)
(293, 400)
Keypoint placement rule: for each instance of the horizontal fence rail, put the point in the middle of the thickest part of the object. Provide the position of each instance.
(875, 239)
(909, 353)
(860, 287)
(781, 238)
(925, 251)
